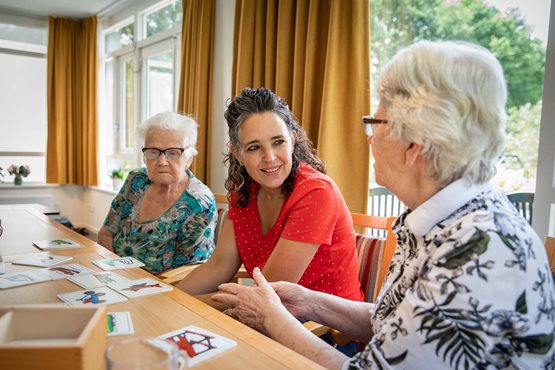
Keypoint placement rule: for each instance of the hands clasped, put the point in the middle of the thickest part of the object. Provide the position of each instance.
(252, 305)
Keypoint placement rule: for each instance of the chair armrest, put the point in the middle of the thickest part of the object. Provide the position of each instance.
(315, 328)
(177, 274)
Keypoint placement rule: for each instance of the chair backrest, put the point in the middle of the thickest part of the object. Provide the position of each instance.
(222, 207)
(524, 203)
(374, 253)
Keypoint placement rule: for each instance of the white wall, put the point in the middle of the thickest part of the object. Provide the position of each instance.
(544, 201)
(223, 60)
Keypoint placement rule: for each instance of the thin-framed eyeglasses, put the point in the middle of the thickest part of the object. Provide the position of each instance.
(370, 124)
(172, 154)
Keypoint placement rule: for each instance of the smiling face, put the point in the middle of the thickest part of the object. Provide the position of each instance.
(164, 171)
(266, 150)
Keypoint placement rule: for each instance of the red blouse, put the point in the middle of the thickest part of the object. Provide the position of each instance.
(314, 213)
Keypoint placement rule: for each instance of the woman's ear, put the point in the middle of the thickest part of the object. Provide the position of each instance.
(234, 153)
(413, 154)
(293, 138)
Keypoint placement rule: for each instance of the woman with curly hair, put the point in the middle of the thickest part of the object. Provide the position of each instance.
(286, 216)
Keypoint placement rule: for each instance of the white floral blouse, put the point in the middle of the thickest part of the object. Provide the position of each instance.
(469, 287)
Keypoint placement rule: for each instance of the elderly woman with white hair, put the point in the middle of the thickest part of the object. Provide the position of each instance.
(163, 215)
(469, 286)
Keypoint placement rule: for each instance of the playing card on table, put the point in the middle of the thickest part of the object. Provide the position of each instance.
(118, 263)
(198, 344)
(56, 244)
(42, 260)
(66, 271)
(119, 323)
(15, 279)
(140, 287)
(97, 296)
(98, 279)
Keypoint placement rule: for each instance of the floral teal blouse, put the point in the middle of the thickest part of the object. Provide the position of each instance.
(184, 234)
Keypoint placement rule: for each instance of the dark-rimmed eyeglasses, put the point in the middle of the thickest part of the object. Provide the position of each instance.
(172, 154)
(370, 124)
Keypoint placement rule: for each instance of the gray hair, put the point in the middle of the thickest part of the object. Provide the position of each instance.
(450, 98)
(184, 125)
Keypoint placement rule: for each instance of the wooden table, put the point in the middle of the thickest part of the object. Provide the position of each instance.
(152, 315)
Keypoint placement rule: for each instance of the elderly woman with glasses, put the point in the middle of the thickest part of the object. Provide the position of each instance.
(469, 286)
(163, 215)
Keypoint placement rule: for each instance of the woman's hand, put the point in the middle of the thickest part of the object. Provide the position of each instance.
(253, 304)
(294, 297)
(106, 238)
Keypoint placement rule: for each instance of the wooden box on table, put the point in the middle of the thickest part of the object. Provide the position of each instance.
(52, 337)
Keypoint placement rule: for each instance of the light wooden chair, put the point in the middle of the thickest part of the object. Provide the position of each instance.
(374, 256)
(550, 249)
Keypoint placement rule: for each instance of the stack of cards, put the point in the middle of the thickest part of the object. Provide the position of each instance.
(118, 263)
(198, 344)
(56, 244)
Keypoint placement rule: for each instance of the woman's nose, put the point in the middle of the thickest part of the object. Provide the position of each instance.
(268, 155)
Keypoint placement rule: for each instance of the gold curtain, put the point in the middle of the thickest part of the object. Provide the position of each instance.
(71, 153)
(195, 86)
(316, 55)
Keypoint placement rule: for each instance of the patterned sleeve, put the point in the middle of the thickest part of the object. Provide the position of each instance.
(314, 212)
(440, 310)
(121, 206)
(196, 237)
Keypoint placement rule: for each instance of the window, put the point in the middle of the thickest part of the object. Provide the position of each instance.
(506, 27)
(140, 79)
(23, 98)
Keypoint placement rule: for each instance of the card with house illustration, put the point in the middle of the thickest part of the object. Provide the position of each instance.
(97, 296)
(66, 271)
(198, 344)
(56, 244)
(42, 260)
(140, 287)
(97, 280)
(118, 263)
(16, 279)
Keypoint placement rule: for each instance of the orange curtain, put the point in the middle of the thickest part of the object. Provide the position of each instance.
(195, 87)
(71, 154)
(316, 55)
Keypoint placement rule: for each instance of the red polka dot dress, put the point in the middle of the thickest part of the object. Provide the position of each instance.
(314, 213)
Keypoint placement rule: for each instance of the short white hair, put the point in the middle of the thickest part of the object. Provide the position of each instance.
(184, 125)
(450, 98)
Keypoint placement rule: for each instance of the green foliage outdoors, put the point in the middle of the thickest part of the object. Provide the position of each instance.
(398, 23)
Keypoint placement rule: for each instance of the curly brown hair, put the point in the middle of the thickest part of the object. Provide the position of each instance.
(260, 100)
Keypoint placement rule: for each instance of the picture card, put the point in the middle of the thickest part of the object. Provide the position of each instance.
(119, 323)
(66, 271)
(42, 260)
(97, 296)
(97, 280)
(197, 344)
(15, 279)
(118, 263)
(140, 287)
(56, 244)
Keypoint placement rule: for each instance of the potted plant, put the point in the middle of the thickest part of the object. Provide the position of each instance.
(117, 177)
(19, 172)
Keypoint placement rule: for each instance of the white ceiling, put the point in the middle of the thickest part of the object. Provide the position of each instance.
(59, 8)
